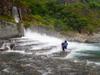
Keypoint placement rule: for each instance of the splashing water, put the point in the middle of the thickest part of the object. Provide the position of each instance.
(43, 44)
(74, 47)
(43, 38)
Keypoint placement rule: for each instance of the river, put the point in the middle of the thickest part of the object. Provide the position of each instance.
(81, 51)
(41, 54)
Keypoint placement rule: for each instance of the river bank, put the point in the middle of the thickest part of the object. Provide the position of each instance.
(85, 38)
(70, 36)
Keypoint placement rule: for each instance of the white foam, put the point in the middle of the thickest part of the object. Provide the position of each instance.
(42, 38)
(6, 70)
(18, 51)
(54, 41)
(48, 40)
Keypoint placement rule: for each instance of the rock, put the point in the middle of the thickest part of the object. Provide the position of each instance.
(85, 38)
(10, 30)
(95, 38)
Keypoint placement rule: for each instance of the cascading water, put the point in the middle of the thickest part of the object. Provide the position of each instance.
(41, 53)
(15, 14)
(42, 44)
(48, 42)
(54, 45)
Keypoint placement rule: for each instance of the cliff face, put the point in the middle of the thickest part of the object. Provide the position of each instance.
(8, 29)
(7, 5)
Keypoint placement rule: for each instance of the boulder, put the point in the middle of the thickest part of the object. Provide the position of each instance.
(10, 30)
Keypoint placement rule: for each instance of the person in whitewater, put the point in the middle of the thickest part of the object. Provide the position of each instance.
(64, 45)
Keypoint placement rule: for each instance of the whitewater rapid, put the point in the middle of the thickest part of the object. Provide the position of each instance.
(43, 44)
(50, 41)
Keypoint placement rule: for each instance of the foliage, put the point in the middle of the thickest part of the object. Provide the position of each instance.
(79, 16)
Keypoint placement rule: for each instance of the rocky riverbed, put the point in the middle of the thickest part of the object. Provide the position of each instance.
(33, 57)
(20, 64)
(24, 59)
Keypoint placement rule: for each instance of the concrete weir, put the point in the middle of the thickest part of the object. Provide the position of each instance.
(10, 30)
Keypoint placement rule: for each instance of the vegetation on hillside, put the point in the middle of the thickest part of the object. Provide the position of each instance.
(79, 16)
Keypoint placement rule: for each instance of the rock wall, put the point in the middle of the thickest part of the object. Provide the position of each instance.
(7, 5)
(10, 30)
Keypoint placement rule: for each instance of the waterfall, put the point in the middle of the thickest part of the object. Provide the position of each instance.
(15, 14)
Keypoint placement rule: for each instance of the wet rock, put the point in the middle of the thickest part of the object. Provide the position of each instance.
(11, 30)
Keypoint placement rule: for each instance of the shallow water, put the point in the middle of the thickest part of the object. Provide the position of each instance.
(40, 54)
(82, 51)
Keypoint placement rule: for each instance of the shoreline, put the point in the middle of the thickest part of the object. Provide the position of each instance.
(70, 36)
